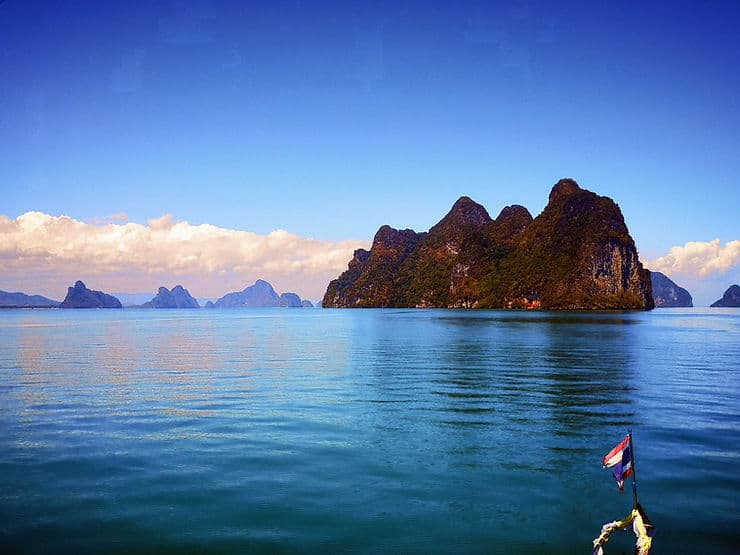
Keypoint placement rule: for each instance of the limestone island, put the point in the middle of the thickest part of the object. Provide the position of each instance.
(577, 254)
(80, 296)
(259, 295)
(179, 297)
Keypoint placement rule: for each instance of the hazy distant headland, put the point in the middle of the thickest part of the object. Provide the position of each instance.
(259, 295)
(21, 300)
(731, 298)
(577, 254)
(667, 294)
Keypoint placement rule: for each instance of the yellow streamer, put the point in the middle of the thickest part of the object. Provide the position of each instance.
(644, 542)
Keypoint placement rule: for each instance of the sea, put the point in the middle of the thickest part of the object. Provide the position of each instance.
(365, 431)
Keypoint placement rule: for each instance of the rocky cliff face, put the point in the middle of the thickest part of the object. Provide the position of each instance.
(179, 297)
(576, 254)
(730, 299)
(80, 296)
(667, 294)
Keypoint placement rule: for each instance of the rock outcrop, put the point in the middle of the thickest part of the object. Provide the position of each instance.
(21, 300)
(305, 303)
(667, 294)
(179, 297)
(259, 295)
(577, 254)
(730, 299)
(80, 296)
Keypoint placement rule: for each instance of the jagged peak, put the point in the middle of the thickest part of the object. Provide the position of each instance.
(464, 213)
(464, 201)
(260, 284)
(388, 235)
(514, 212)
(467, 211)
(359, 258)
(384, 231)
(563, 188)
(79, 284)
(510, 224)
(361, 255)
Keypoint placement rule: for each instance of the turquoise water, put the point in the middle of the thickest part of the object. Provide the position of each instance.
(364, 431)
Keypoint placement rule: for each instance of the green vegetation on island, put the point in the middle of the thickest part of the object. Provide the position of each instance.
(577, 254)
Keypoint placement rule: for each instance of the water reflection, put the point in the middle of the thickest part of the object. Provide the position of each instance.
(588, 370)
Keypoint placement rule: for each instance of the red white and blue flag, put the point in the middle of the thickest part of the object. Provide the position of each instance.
(620, 459)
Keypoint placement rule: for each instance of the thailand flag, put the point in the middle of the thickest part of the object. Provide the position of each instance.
(620, 459)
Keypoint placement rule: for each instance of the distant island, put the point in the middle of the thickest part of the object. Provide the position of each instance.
(289, 300)
(667, 294)
(730, 299)
(577, 254)
(259, 295)
(80, 296)
(179, 297)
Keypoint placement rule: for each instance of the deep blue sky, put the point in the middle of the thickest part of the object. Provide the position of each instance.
(329, 120)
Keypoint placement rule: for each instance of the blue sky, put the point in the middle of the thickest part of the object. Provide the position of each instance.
(328, 119)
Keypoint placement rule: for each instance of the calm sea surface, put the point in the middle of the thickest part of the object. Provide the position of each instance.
(364, 431)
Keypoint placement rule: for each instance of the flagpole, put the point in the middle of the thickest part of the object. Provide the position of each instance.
(634, 473)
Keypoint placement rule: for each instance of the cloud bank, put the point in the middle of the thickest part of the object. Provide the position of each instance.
(45, 254)
(698, 259)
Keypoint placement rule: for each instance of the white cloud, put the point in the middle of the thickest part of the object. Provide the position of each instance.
(113, 218)
(698, 259)
(45, 254)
